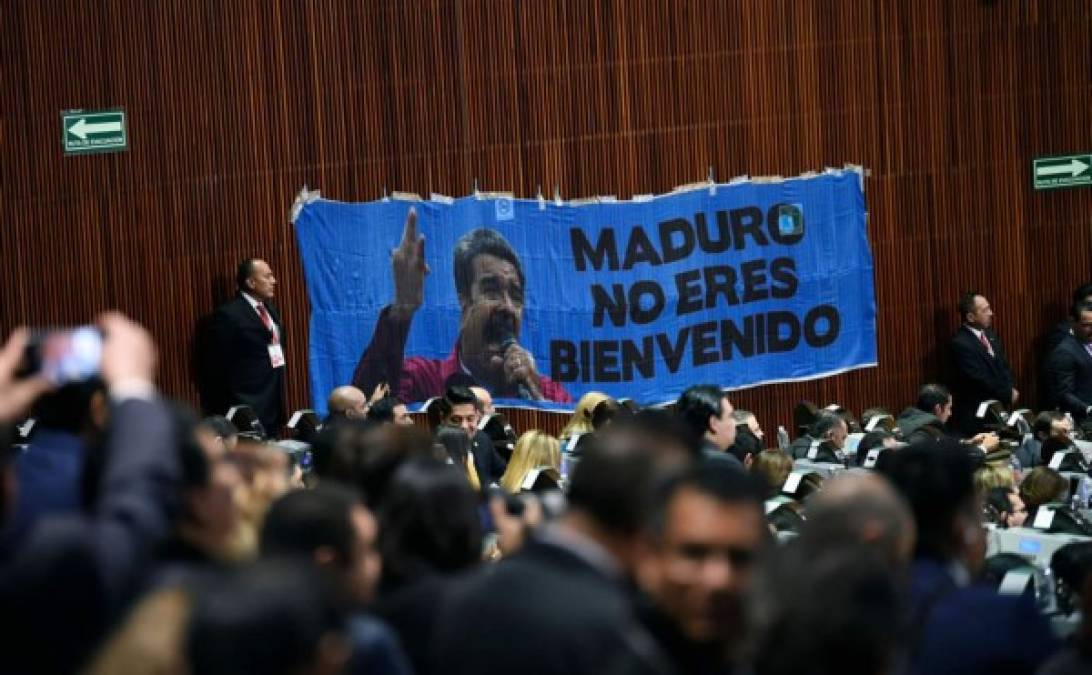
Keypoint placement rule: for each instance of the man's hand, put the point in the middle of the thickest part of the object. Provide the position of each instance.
(380, 391)
(17, 395)
(128, 352)
(409, 267)
(988, 441)
(519, 369)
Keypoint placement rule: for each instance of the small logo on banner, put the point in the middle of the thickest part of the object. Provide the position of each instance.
(505, 209)
(790, 219)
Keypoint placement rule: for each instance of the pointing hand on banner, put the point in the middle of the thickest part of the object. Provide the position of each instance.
(409, 267)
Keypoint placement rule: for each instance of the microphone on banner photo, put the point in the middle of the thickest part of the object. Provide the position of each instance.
(526, 387)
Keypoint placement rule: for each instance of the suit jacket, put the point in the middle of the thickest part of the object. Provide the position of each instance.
(71, 577)
(487, 462)
(979, 377)
(1069, 376)
(544, 611)
(972, 630)
(240, 342)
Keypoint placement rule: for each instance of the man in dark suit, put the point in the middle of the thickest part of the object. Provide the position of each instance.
(707, 412)
(956, 625)
(982, 371)
(1069, 368)
(463, 412)
(248, 346)
(562, 603)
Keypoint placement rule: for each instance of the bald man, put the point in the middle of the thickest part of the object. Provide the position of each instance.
(485, 401)
(346, 403)
(862, 508)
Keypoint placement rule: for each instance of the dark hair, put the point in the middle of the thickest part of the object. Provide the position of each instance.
(697, 404)
(1044, 420)
(461, 395)
(605, 411)
(219, 425)
(478, 242)
(937, 480)
(835, 609)
(615, 481)
(243, 272)
(304, 520)
(746, 444)
(456, 443)
(1071, 565)
(1079, 307)
(268, 617)
(428, 523)
(1042, 485)
(68, 408)
(383, 409)
(1082, 293)
(661, 430)
(824, 422)
(870, 441)
(997, 501)
(932, 395)
(966, 304)
(724, 483)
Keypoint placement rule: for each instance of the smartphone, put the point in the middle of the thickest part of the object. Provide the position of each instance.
(65, 355)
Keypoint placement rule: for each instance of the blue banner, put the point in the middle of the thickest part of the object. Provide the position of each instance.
(540, 302)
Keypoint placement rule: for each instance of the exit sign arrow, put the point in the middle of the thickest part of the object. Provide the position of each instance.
(82, 127)
(92, 131)
(1063, 171)
(1075, 167)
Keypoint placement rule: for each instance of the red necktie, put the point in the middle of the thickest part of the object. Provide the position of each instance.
(268, 321)
(985, 343)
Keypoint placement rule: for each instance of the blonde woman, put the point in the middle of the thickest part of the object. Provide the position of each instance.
(580, 422)
(533, 450)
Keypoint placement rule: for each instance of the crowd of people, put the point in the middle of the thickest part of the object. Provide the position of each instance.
(667, 539)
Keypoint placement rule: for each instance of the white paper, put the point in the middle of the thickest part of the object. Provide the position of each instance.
(813, 451)
(982, 408)
(1044, 518)
(295, 419)
(792, 482)
(876, 421)
(572, 442)
(530, 478)
(852, 441)
(1057, 459)
(1015, 582)
(873, 455)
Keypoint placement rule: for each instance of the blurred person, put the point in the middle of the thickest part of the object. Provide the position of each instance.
(953, 625)
(1069, 366)
(704, 542)
(561, 603)
(1005, 508)
(73, 577)
(580, 421)
(872, 440)
(928, 420)
(276, 617)
(1042, 485)
(151, 640)
(1081, 294)
(515, 520)
(989, 477)
(390, 410)
(605, 413)
(746, 447)
(69, 426)
(825, 611)
(1077, 658)
(247, 344)
(772, 467)
(456, 446)
(367, 454)
(746, 418)
(861, 508)
(429, 531)
(830, 431)
(534, 450)
(330, 527)
(216, 435)
(707, 412)
(1047, 424)
(489, 285)
(981, 367)
(463, 413)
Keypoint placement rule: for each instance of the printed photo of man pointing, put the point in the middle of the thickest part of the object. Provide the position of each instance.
(489, 283)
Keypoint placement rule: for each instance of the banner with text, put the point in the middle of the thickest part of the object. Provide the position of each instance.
(542, 301)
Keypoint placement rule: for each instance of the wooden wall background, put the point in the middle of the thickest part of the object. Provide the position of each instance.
(233, 106)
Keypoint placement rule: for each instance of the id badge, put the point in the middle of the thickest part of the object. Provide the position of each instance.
(276, 356)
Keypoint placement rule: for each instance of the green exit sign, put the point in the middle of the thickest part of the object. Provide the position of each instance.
(84, 132)
(1062, 171)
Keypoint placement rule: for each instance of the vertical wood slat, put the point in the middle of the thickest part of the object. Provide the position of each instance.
(234, 106)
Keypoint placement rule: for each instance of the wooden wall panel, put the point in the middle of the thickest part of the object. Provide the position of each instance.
(233, 106)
